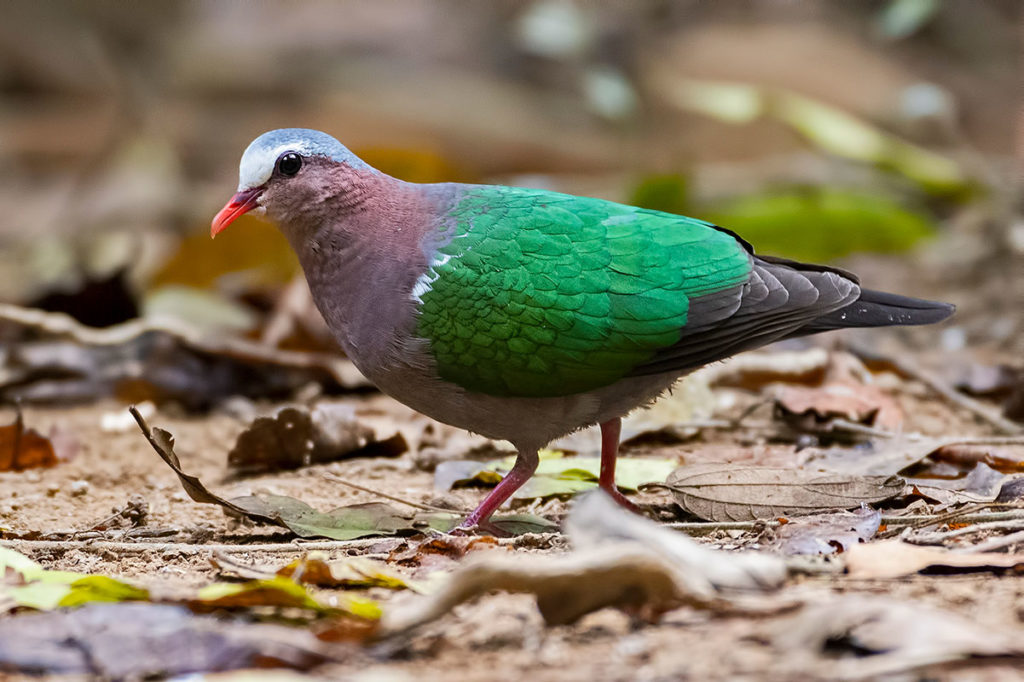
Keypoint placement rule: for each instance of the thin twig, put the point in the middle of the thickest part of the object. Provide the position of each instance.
(700, 527)
(965, 512)
(415, 505)
(996, 543)
(225, 562)
(530, 539)
(187, 547)
(939, 538)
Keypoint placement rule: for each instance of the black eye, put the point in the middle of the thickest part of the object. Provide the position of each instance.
(289, 164)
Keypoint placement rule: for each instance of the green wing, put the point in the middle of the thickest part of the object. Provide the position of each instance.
(542, 294)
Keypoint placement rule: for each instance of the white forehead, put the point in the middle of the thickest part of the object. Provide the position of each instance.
(261, 155)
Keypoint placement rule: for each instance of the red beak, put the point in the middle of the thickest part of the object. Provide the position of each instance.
(241, 203)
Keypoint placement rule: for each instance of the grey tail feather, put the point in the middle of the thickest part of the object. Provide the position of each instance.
(879, 309)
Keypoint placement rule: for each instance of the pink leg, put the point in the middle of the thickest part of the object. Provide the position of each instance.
(526, 464)
(610, 431)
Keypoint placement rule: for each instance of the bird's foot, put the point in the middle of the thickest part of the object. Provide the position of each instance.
(484, 527)
(621, 499)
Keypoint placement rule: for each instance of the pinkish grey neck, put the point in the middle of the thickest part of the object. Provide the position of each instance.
(364, 258)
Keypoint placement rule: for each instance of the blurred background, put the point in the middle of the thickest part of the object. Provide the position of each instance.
(879, 135)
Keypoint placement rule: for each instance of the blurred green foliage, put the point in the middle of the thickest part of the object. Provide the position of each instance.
(816, 224)
(667, 192)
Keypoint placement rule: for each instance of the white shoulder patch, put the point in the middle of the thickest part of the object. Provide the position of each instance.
(425, 282)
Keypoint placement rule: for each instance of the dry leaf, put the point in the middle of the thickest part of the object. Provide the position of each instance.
(722, 492)
(439, 551)
(895, 558)
(813, 410)
(297, 436)
(22, 448)
(619, 559)
(135, 641)
(566, 587)
(343, 523)
(887, 636)
(350, 572)
(827, 533)
(596, 520)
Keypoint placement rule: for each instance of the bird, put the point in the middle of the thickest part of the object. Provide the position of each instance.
(526, 314)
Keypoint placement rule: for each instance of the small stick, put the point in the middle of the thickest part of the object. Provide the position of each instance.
(966, 511)
(270, 548)
(415, 505)
(995, 543)
(927, 519)
(938, 538)
(187, 547)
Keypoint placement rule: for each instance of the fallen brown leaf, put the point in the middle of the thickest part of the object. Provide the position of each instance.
(22, 448)
(844, 394)
(297, 436)
(723, 492)
(443, 550)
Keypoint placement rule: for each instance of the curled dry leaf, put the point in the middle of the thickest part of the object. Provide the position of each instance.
(619, 559)
(22, 448)
(982, 484)
(439, 551)
(26, 584)
(895, 558)
(134, 641)
(884, 636)
(722, 492)
(566, 587)
(827, 533)
(350, 572)
(344, 523)
(595, 520)
(296, 436)
(844, 394)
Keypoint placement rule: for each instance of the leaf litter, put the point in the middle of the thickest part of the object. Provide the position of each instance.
(344, 523)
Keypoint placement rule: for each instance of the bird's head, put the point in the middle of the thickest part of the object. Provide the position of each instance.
(283, 171)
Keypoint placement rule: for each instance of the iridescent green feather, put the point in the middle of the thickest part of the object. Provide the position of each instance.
(544, 294)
